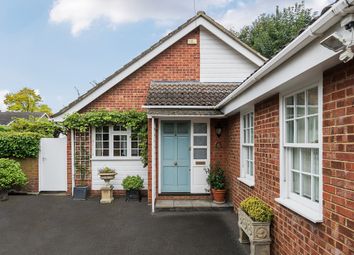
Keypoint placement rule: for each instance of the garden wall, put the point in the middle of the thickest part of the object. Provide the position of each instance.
(31, 168)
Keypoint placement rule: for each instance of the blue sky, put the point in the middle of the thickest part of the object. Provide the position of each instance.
(55, 46)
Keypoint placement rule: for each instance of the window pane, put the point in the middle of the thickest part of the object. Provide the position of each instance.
(182, 128)
(306, 160)
(313, 129)
(290, 131)
(168, 128)
(245, 157)
(250, 150)
(200, 128)
(200, 153)
(105, 153)
(316, 189)
(252, 135)
(315, 161)
(312, 101)
(105, 129)
(245, 136)
(119, 127)
(251, 168)
(200, 141)
(300, 130)
(295, 183)
(289, 105)
(300, 104)
(251, 119)
(306, 186)
(296, 159)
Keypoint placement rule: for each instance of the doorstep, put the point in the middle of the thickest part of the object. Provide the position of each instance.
(190, 205)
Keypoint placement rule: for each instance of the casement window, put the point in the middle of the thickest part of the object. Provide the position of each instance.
(116, 142)
(247, 150)
(301, 188)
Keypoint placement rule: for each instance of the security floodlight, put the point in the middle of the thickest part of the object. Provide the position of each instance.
(334, 42)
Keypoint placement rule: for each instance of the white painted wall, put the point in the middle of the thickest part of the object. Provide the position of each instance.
(122, 167)
(221, 63)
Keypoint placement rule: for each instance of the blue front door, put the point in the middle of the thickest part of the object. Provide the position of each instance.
(175, 156)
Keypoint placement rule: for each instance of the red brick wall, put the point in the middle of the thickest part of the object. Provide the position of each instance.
(179, 62)
(291, 233)
(31, 168)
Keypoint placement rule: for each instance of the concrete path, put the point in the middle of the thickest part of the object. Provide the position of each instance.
(59, 225)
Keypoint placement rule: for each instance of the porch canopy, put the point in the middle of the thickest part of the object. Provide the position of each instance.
(177, 107)
(187, 98)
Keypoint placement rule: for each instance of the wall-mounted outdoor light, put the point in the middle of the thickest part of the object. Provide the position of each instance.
(218, 130)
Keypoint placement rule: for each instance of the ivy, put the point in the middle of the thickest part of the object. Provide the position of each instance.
(19, 145)
(43, 126)
(136, 121)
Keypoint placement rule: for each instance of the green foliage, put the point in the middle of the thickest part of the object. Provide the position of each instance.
(133, 119)
(269, 33)
(257, 209)
(39, 125)
(216, 177)
(11, 174)
(26, 100)
(4, 128)
(106, 170)
(19, 145)
(133, 183)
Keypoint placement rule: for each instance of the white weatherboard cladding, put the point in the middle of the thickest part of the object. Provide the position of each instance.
(123, 169)
(221, 63)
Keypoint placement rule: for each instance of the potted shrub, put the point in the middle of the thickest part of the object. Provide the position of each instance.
(133, 186)
(11, 176)
(254, 218)
(216, 180)
(81, 189)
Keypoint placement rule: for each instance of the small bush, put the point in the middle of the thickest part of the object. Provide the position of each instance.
(257, 209)
(11, 174)
(43, 126)
(216, 177)
(133, 183)
(19, 145)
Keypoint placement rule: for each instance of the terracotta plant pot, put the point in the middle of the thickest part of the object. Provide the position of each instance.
(219, 196)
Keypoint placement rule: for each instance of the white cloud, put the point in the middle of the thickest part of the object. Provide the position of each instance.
(3, 92)
(244, 14)
(81, 14)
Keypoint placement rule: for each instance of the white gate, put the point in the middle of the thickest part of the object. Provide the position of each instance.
(52, 165)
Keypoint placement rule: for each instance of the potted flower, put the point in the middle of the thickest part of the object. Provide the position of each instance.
(216, 180)
(133, 186)
(107, 174)
(11, 176)
(254, 218)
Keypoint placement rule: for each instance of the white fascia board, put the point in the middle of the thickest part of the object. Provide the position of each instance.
(327, 20)
(254, 58)
(307, 60)
(185, 116)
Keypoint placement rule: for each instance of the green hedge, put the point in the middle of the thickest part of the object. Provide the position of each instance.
(43, 126)
(11, 174)
(19, 145)
(257, 209)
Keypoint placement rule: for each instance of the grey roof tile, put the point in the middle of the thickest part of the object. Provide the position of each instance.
(8, 117)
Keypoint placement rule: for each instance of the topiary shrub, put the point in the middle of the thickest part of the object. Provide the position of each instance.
(19, 145)
(11, 174)
(256, 209)
(133, 183)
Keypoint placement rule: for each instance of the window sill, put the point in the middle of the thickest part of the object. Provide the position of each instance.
(302, 210)
(246, 181)
(115, 158)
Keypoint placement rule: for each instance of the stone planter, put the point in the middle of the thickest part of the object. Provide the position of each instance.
(255, 233)
(107, 189)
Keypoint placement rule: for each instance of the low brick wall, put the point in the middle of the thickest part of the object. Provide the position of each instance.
(31, 169)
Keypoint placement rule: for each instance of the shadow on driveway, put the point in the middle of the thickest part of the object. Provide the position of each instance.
(59, 225)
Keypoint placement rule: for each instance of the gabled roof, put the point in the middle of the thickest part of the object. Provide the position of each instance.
(7, 117)
(187, 93)
(200, 19)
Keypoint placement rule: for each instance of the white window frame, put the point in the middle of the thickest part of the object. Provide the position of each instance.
(244, 177)
(310, 210)
(127, 132)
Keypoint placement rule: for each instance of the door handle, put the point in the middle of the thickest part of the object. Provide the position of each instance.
(175, 163)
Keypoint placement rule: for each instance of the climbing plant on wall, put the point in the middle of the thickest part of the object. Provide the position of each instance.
(136, 121)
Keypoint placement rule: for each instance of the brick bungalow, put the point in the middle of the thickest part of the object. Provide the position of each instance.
(287, 126)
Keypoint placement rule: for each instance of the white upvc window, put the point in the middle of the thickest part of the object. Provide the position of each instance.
(301, 173)
(247, 148)
(115, 142)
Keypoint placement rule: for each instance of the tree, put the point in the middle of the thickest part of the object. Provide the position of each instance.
(26, 100)
(269, 33)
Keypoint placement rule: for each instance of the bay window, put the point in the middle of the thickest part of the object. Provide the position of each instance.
(301, 186)
(115, 142)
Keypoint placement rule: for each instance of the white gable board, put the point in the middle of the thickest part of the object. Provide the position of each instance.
(221, 63)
